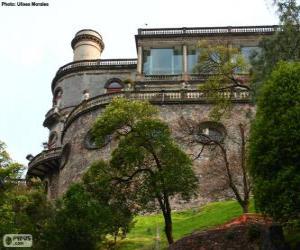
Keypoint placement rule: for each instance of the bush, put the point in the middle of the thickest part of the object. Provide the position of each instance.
(275, 144)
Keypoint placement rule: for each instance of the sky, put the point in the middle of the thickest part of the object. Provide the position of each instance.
(35, 42)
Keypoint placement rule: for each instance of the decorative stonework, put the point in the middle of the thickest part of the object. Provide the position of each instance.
(89, 65)
(88, 37)
(175, 95)
(44, 163)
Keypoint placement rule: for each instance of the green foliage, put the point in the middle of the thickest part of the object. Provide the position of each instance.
(25, 209)
(10, 171)
(223, 65)
(83, 222)
(148, 227)
(275, 144)
(120, 116)
(147, 165)
(283, 45)
(79, 222)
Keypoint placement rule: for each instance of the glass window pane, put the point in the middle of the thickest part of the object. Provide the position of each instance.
(162, 61)
(115, 85)
(193, 54)
(250, 52)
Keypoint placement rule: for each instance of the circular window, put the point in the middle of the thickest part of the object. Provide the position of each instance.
(211, 131)
(90, 143)
(65, 155)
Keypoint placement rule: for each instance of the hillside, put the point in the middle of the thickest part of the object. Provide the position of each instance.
(148, 231)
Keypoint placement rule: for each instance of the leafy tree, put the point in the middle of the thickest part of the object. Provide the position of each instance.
(275, 144)
(227, 73)
(227, 162)
(10, 171)
(146, 166)
(80, 222)
(23, 208)
(283, 45)
(225, 69)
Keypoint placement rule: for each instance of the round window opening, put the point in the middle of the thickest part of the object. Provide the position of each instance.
(90, 142)
(211, 131)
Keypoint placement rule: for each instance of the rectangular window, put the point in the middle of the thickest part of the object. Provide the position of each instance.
(193, 54)
(162, 61)
(250, 52)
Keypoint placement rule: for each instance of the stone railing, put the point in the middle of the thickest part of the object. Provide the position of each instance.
(46, 155)
(208, 30)
(156, 97)
(176, 77)
(83, 65)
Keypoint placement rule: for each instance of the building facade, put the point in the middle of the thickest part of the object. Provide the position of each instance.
(162, 73)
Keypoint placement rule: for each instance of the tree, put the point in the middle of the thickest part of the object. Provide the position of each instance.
(227, 162)
(10, 171)
(283, 45)
(80, 221)
(227, 73)
(23, 208)
(225, 68)
(146, 164)
(275, 144)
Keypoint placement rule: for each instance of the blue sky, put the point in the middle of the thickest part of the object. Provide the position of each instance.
(35, 42)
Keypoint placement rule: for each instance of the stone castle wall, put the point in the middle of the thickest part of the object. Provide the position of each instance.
(80, 157)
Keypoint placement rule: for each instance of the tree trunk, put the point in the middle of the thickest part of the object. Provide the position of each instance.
(168, 226)
(166, 210)
(245, 207)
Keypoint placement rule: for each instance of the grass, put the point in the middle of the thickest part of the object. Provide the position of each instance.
(144, 234)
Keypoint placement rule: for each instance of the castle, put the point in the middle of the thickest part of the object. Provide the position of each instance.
(162, 73)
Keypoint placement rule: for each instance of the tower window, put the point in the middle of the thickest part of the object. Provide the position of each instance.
(90, 143)
(52, 140)
(65, 155)
(211, 131)
(57, 96)
(114, 85)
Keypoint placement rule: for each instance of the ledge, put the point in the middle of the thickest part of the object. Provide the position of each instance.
(50, 118)
(44, 162)
(86, 65)
(207, 31)
(180, 96)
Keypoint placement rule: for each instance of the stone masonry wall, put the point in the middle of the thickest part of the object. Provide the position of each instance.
(80, 157)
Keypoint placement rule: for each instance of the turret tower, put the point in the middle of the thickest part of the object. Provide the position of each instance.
(87, 45)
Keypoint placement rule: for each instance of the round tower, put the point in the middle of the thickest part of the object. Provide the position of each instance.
(87, 45)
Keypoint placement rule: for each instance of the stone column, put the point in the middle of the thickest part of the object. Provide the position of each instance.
(184, 59)
(139, 60)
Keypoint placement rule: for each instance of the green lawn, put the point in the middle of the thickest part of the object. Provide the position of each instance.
(143, 235)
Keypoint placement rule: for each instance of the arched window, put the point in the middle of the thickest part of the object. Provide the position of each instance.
(114, 85)
(65, 155)
(46, 186)
(211, 131)
(57, 96)
(52, 140)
